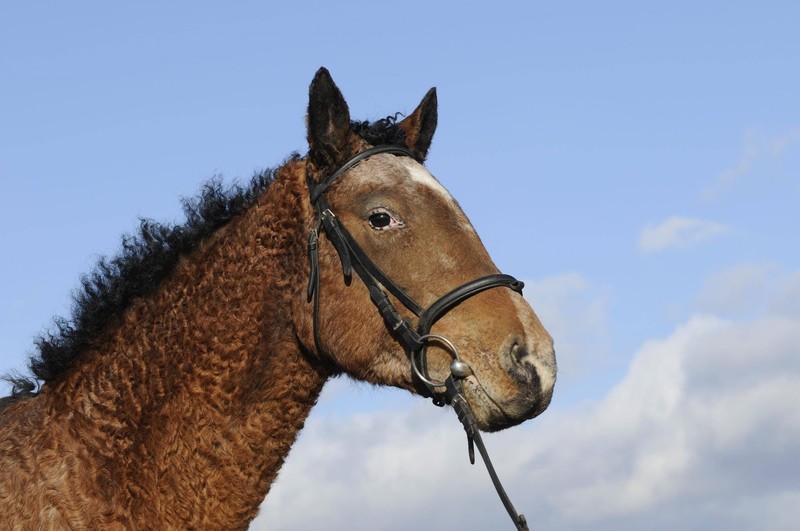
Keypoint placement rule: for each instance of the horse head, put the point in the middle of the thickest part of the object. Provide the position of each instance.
(416, 245)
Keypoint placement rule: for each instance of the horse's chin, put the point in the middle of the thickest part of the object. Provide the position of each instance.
(494, 414)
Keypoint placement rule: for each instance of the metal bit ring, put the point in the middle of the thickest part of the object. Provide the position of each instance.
(458, 368)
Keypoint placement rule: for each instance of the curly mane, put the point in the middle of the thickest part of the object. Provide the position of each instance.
(147, 257)
(380, 132)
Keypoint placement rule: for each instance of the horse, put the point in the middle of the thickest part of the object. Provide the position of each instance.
(175, 390)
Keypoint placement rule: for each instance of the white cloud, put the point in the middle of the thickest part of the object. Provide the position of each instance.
(779, 144)
(786, 296)
(702, 432)
(678, 232)
(574, 311)
(756, 148)
(750, 289)
(693, 425)
(736, 289)
(751, 150)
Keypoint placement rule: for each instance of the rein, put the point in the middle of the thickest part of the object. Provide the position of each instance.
(415, 340)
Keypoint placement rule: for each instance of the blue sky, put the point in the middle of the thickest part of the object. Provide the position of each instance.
(638, 164)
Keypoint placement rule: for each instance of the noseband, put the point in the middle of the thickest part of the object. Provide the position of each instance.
(415, 340)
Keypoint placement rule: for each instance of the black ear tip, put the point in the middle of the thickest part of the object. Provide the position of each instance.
(431, 95)
(323, 87)
(322, 81)
(430, 102)
(322, 73)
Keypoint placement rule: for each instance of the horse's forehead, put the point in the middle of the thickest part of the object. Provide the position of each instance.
(420, 174)
(392, 170)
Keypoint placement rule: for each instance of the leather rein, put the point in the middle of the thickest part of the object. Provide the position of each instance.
(415, 340)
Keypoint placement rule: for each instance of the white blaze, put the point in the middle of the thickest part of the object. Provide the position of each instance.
(420, 174)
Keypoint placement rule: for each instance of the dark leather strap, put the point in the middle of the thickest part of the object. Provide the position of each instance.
(464, 413)
(353, 257)
(339, 234)
(317, 189)
(455, 297)
(449, 301)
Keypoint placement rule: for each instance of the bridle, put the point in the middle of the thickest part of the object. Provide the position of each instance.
(415, 340)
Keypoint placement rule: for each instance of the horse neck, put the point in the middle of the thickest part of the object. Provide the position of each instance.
(201, 389)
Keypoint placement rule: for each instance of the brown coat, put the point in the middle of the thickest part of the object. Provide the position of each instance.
(179, 411)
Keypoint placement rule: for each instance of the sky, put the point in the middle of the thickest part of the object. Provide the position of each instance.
(636, 163)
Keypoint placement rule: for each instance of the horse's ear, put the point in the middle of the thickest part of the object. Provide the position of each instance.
(329, 134)
(420, 125)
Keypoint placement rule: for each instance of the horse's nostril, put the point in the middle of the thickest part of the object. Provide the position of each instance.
(518, 352)
(520, 366)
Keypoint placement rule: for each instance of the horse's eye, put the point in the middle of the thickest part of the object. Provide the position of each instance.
(380, 220)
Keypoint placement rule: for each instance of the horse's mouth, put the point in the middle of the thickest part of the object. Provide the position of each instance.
(493, 414)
